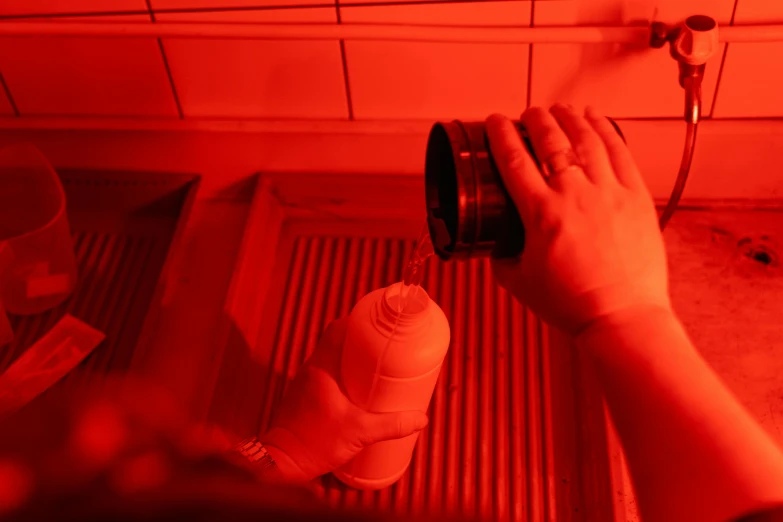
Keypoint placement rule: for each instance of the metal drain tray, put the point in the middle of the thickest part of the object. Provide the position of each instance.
(125, 227)
(516, 427)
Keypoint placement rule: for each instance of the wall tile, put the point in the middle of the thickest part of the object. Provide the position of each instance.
(87, 76)
(258, 79)
(45, 7)
(621, 81)
(758, 12)
(423, 80)
(752, 79)
(225, 4)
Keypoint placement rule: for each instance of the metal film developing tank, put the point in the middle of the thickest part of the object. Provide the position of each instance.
(469, 211)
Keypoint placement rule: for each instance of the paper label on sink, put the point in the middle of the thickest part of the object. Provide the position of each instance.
(47, 361)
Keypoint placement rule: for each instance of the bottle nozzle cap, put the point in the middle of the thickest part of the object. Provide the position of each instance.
(697, 41)
(406, 300)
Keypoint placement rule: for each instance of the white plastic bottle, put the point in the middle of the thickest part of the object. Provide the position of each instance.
(391, 362)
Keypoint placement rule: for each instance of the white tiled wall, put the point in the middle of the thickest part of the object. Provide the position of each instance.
(87, 76)
(620, 80)
(372, 80)
(752, 80)
(421, 80)
(258, 79)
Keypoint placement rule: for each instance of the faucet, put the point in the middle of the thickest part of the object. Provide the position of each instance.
(692, 44)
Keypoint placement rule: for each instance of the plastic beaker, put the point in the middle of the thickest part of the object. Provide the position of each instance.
(6, 331)
(38, 268)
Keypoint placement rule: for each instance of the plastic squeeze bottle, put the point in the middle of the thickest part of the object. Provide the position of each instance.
(391, 362)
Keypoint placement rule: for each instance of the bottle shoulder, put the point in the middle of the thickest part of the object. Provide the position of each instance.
(407, 352)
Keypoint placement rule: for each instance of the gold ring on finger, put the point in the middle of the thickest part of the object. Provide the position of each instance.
(559, 162)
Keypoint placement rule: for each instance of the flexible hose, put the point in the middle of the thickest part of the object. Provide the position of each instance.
(682, 175)
(691, 77)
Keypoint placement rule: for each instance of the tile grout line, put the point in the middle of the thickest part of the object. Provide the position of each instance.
(165, 59)
(420, 121)
(344, 59)
(530, 59)
(327, 5)
(722, 64)
(87, 14)
(647, 118)
(11, 101)
(171, 80)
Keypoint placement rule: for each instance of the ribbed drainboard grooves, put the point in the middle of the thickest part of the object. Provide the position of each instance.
(118, 274)
(485, 450)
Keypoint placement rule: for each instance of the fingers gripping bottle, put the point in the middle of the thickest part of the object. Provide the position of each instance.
(392, 357)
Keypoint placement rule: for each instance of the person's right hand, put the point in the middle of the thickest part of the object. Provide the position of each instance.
(592, 243)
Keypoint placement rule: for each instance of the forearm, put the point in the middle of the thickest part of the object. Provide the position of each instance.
(694, 453)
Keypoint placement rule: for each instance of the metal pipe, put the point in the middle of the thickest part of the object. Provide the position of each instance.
(751, 33)
(387, 32)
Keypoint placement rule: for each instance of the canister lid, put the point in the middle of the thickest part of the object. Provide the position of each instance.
(441, 192)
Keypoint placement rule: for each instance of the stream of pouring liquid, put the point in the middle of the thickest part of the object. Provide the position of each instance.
(414, 270)
(411, 284)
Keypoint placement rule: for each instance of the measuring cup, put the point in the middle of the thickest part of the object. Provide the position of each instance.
(6, 332)
(38, 268)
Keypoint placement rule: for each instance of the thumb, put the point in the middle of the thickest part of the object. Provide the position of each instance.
(380, 427)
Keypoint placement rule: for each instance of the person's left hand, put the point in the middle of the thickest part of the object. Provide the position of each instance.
(317, 428)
